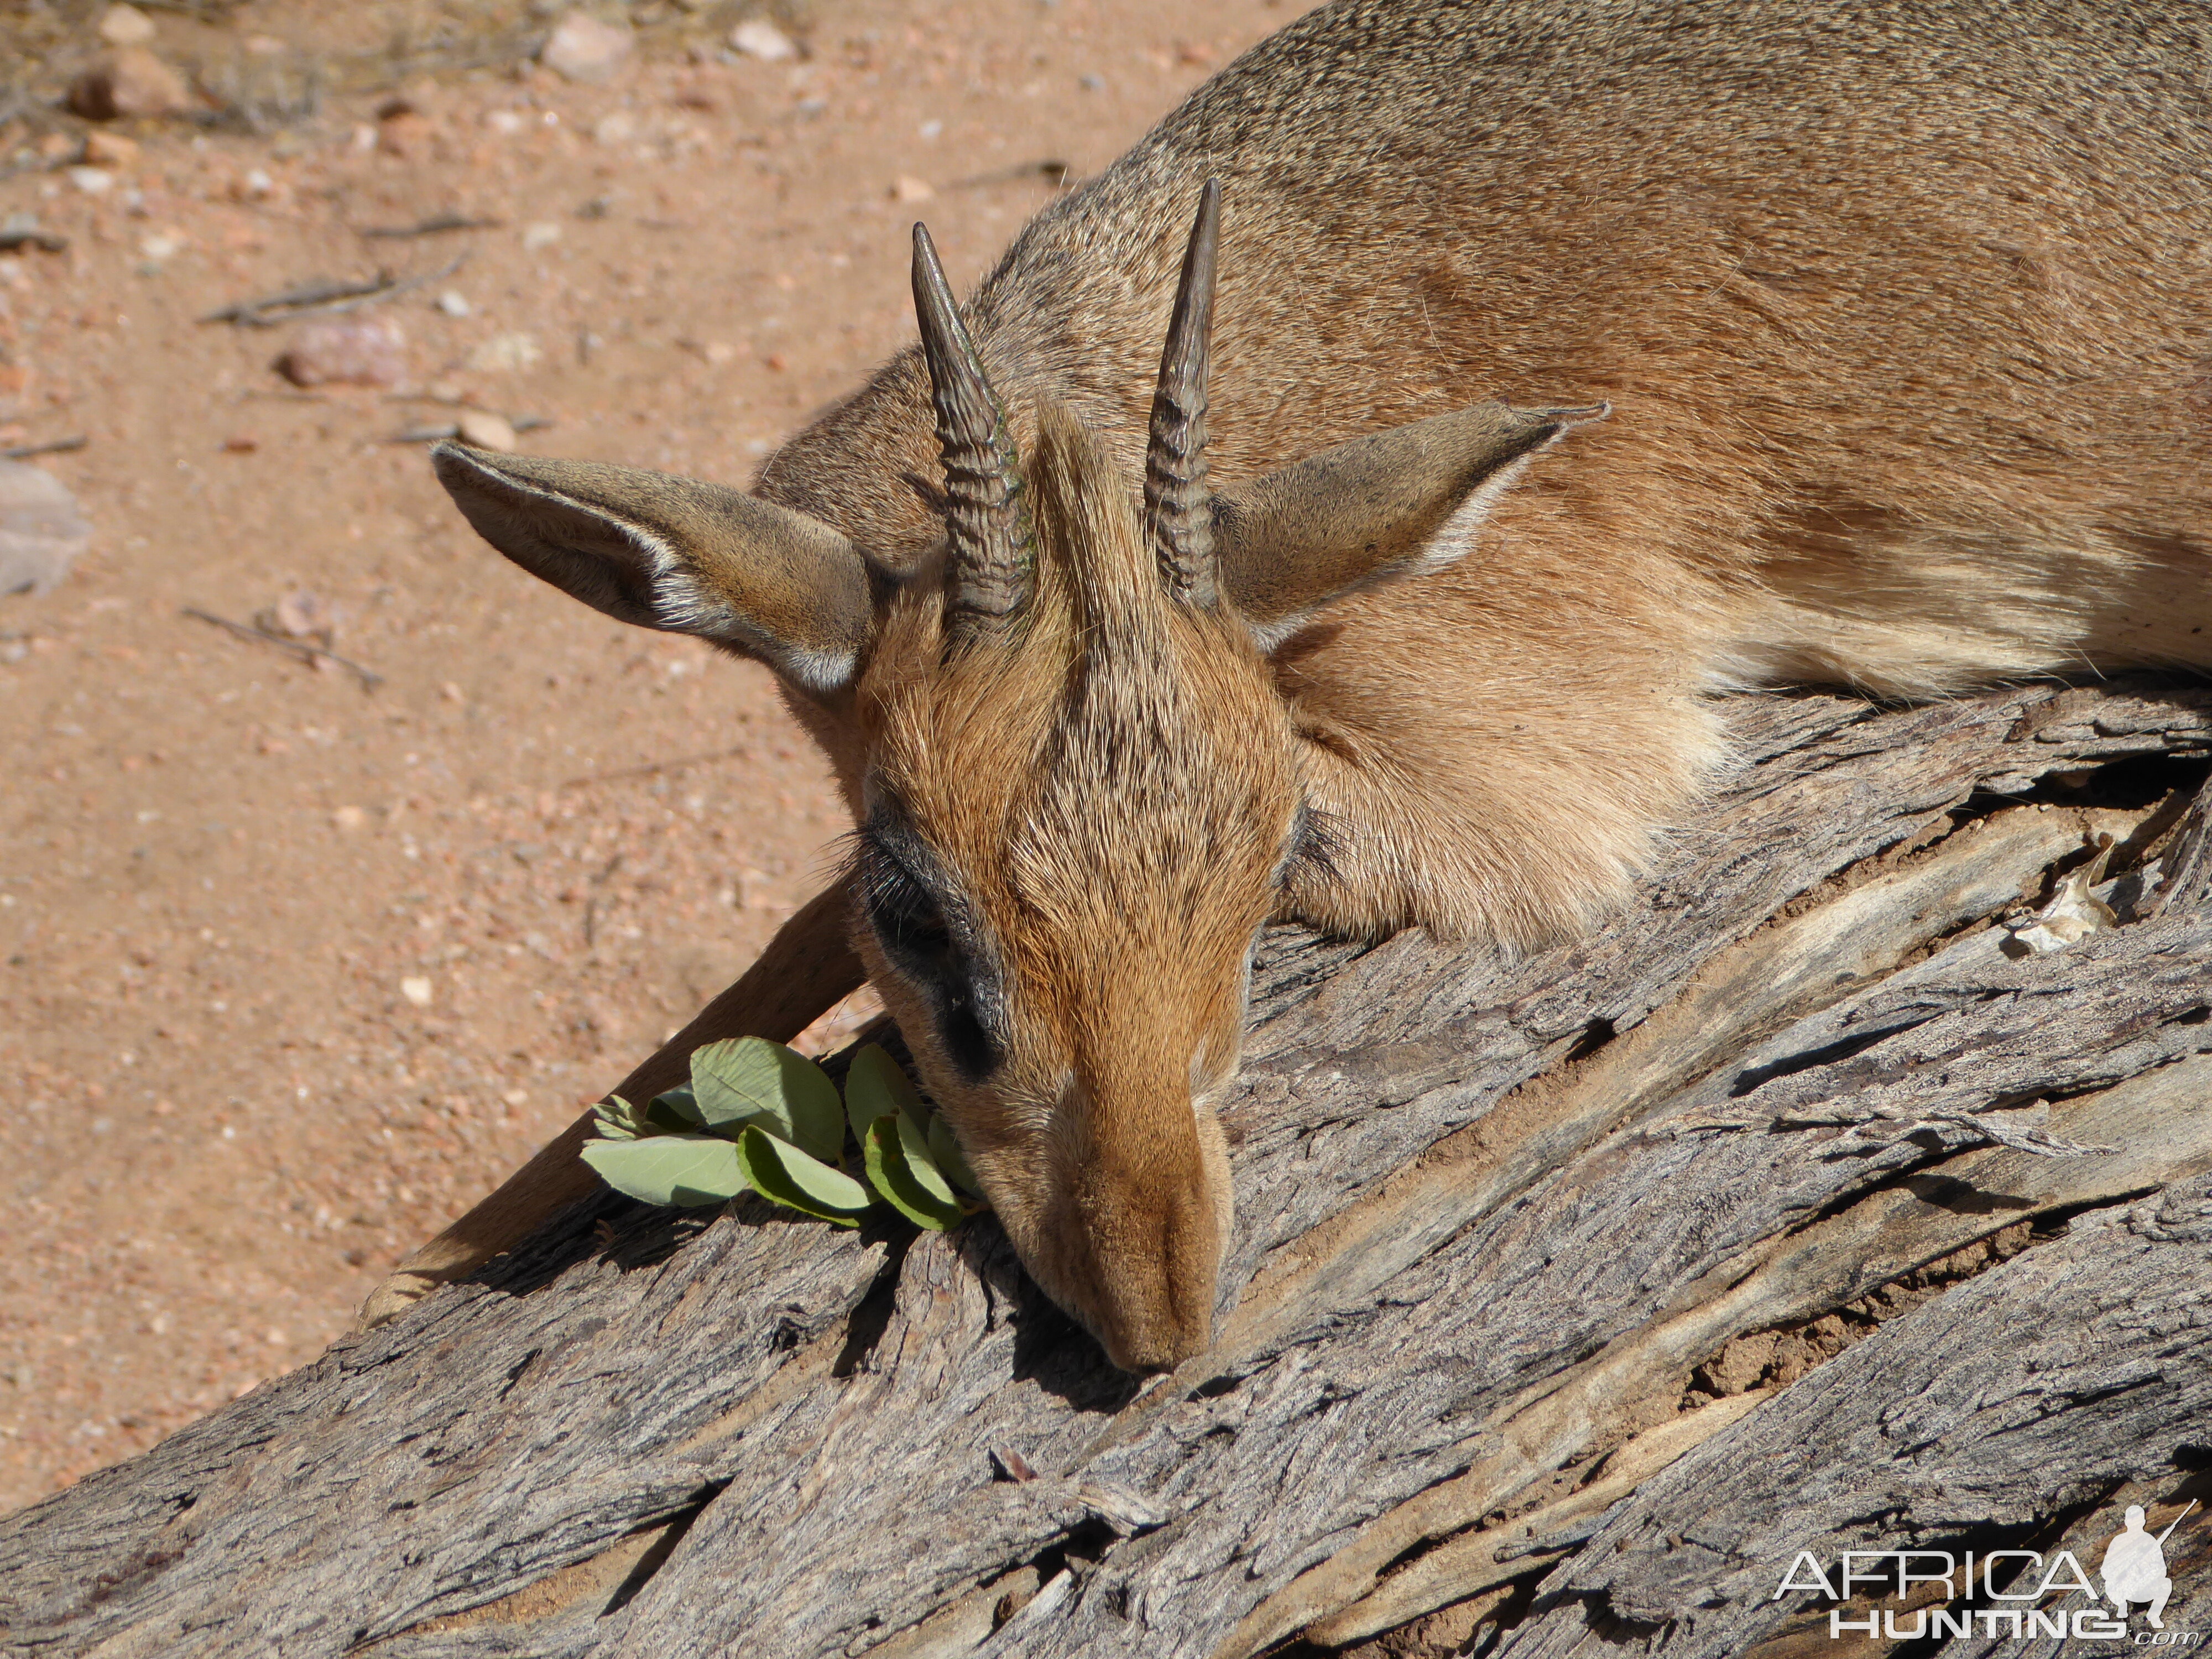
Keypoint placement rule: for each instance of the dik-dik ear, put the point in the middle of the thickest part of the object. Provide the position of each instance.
(1296, 538)
(675, 554)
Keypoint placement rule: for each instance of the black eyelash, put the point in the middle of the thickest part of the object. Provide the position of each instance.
(912, 924)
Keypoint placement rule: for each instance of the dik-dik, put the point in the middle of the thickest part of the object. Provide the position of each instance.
(1373, 556)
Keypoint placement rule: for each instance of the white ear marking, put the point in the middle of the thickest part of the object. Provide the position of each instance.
(1455, 538)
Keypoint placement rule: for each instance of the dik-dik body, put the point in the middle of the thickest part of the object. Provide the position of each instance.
(1904, 317)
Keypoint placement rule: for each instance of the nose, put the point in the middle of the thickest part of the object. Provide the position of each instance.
(1158, 1253)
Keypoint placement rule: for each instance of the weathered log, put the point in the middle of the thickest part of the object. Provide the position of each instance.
(1546, 1293)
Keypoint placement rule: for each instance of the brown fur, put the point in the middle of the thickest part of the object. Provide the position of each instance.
(1108, 794)
(1904, 313)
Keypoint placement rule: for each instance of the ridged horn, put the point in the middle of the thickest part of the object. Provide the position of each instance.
(987, 575)
(1178, 511)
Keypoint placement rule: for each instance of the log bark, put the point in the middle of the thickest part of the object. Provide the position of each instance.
(1799, 1207)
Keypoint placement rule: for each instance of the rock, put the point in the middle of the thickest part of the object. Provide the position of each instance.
(453, 303)
(482, 430)
(406, 135)
(544, 234)
(125, 26)
(351, 351)
(912, 189)
(416, 990)
(507, 354)
(91, 180)
(582, 48)
(130, 83)
(109, 149)
(41, 533)
(758, 37)
(21, 230)
(302, 615)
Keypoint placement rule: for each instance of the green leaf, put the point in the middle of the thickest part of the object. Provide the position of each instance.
(899, 1181)
(673, 1169)
(673, 1113)
(914, 1146)
(877, 1084)
(615, 1119)
(752, 1081)
(944, 1151)
(782, 1173)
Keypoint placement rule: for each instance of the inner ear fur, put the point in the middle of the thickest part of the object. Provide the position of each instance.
(1294, 538)
(675, 554)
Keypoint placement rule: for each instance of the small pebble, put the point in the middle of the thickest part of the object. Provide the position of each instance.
(482, 430)
(758, 37)
(132, 83)
(417, 991)
(582, 48)
(453, 303)
(125, 26)
(350, 352)
(912, 189)
(542, 234)
(303, 615)
(91, 180)
(405, 136)
(109, 149)
(507, 354)
(40, 531)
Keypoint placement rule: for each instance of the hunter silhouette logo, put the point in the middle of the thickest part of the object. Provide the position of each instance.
(2133, 1571)
(2135, 1566)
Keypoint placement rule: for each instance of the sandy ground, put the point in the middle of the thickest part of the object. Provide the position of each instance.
(221, 870)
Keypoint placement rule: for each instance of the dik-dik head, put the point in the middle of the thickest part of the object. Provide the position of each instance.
(1081, 793)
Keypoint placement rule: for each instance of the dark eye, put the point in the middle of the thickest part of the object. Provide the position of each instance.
(910, 924)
